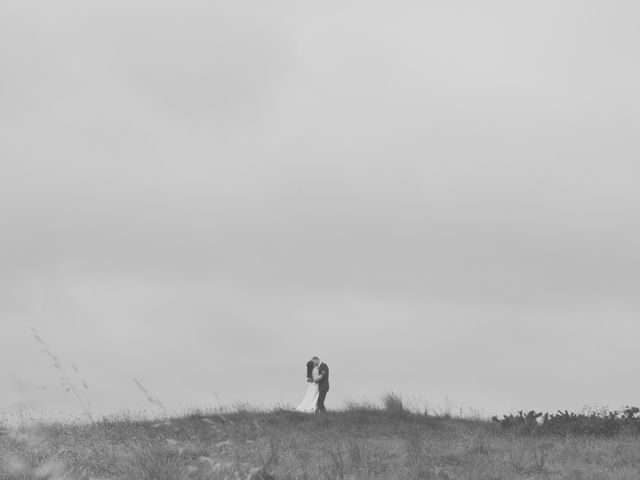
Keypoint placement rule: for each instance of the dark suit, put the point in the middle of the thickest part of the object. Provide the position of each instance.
(323, 386)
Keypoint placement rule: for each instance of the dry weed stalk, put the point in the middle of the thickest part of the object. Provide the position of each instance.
(152, 400)
(66, 382)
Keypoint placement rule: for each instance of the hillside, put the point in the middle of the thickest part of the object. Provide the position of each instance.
(361, 443)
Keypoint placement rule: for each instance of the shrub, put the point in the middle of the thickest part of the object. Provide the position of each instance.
(393, 403)
(591, 422)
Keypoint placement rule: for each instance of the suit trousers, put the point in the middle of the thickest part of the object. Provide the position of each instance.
(320, 404)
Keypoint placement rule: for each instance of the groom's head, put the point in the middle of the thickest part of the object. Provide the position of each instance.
(316, 361)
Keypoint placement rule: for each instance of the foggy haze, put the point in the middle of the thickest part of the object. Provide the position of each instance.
(436, 198)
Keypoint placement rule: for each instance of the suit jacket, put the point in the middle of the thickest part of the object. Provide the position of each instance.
(323, 384)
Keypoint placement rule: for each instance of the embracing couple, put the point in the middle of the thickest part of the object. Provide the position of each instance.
(318, 379)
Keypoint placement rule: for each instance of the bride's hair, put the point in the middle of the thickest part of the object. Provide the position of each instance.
(310, 366)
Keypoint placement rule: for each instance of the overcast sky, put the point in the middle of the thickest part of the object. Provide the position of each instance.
(438, 198)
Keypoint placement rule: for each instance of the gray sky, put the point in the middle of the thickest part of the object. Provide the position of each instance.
(435, 197)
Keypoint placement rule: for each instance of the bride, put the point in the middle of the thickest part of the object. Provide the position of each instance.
(310, 399)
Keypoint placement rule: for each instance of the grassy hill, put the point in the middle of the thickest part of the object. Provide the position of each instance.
(359, 443)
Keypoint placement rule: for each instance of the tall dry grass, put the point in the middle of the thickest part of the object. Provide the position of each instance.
(352, 444)
(77, 386)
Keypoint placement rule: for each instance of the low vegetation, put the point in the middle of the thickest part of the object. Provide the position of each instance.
(600, 422)
(360, 442)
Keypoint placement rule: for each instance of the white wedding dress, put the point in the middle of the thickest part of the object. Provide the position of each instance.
(310, 399)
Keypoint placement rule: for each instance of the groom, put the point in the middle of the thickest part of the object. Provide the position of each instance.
(323, 383)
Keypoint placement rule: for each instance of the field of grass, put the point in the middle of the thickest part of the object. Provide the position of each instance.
(357, 443)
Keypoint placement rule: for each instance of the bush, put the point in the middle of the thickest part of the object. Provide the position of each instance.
(590, 422)
(393, 403)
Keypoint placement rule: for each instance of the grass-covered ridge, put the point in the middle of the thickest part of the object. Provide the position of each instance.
(357, 443)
